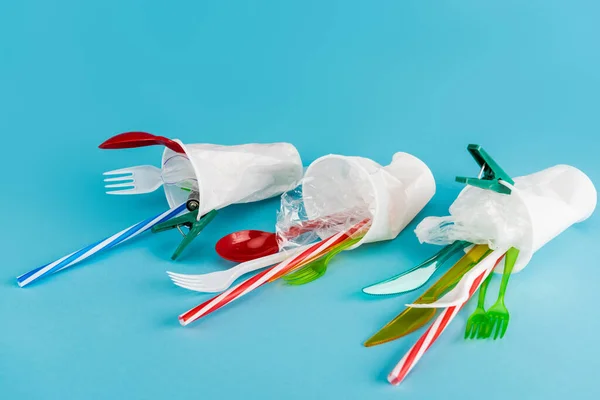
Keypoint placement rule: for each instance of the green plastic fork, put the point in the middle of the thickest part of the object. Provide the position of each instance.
(497, 315)
(317, 268)
(478, 321)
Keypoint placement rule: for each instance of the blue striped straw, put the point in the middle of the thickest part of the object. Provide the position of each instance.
(80, 255)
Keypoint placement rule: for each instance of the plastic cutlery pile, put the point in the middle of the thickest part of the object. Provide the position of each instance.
(482, 324)
(339, 204)
(451, 292)
(416, 277)
(292, 263)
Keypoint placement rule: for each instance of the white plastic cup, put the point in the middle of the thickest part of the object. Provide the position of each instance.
(393, 195)
(225, 175)
(554, 199)
(540, 207)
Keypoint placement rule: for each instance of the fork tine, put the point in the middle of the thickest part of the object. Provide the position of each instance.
(119, 178)
(182, 280)
(478, 329)
(504, 328)
(195, 282)
(486, 329)
(500, 327)
(475, 329)
(497, 327)
(481, 334)
(198, 283)
(490, 328)
(188, 286)
(182, 276)
(119, 185)
(468, 328)
(121, 171)
(198, 279)
(181, 284)
(467, 331)
(124, 191)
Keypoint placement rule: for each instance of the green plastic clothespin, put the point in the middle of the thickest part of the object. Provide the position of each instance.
(491, 173)
(189, 220)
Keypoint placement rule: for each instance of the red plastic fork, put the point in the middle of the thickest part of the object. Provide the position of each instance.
(130, 140)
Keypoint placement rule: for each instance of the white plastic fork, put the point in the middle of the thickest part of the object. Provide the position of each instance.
(138, 180)
(219, 281)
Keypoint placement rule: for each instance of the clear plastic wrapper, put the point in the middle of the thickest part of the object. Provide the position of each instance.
(541, 206)
(479, 216)
(294, 229)
(339, 191)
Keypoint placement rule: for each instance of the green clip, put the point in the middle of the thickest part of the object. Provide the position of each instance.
(491, 173)
(189, 220)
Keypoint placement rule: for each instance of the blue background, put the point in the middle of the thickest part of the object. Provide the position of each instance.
(520, 78)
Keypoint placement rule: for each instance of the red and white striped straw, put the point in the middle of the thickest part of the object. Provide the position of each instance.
(412, 357)
(269, 274)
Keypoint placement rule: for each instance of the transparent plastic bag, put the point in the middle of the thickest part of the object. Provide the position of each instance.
(294, 228)
(481, 217)
(339, 191)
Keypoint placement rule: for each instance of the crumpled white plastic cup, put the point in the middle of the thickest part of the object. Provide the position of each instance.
(393, 194)
(541, 206)
(227, 175)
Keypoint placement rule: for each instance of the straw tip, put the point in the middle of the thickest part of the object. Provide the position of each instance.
(393, 380)
(21, 283)
(182, 321)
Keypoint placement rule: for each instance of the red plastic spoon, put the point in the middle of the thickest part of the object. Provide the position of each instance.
(248, 245)
(130, 140)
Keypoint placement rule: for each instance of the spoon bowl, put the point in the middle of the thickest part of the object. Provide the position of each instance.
(130, 140)
(247, 245)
